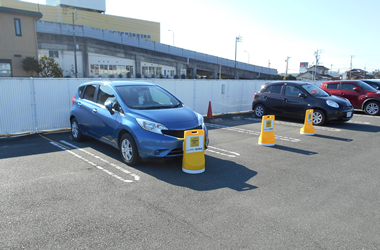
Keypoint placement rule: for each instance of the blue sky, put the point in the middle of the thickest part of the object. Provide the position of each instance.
(272, 30)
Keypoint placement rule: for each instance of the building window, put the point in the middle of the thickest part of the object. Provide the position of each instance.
(5, 68)
(103, 69)
(129, 69)
(53, 53)
(94, 69)
(18, 27)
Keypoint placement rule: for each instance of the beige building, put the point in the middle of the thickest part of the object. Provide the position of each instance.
(64, 14)
(18, 39)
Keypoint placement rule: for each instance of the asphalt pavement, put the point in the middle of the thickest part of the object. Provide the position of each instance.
(305, 192)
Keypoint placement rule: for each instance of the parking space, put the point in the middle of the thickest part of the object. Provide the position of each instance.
(306, 192)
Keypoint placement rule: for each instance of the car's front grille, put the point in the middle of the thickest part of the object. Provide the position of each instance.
(179, 133)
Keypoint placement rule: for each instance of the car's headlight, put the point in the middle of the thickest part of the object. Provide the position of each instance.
(151, 126)
(332, 104)
(200, 120)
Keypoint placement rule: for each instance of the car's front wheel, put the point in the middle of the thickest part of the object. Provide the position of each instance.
(372, 108)
(319, 117)
(128, 150)
(76, 133)
(259, 110)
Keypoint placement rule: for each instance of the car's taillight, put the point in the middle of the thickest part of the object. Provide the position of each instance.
(255, 96)
(73, 99)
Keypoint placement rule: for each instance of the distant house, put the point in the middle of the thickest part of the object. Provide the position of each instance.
(18, 40)
(355, 74)
(315, 73)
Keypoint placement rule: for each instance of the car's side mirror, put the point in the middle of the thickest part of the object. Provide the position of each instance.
(356, 89)
(302, 95)
(108, 105)
(378, 88)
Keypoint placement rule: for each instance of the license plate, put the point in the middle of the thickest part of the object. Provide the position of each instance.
(349, 114)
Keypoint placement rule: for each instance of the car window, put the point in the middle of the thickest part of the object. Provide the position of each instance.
(273, 89)
(292, 91)
(147, 97)
(332, 86)
(81, 91)
(314, 90)
(105, 94)
(89, 92)
(347, 86)
(365, 86)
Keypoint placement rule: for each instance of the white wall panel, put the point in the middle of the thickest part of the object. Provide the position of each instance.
(16, 106)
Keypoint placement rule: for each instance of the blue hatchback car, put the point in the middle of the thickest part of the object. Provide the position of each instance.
(142, 120)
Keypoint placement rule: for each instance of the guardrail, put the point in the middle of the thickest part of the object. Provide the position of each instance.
(123, 38)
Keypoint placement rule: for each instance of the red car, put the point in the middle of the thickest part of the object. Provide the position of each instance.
(360, 94)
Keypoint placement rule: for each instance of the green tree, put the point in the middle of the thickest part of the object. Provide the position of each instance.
(49, 67)
(31, 65)
(290, 77)
(376, 74)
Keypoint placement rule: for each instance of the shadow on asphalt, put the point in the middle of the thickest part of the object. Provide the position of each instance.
(294, 150)
(218, 174)
(333, 138)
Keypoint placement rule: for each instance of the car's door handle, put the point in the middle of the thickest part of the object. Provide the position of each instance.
(94, 111)
(285, 100)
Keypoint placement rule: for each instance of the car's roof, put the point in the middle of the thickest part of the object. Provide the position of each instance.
(371, 80)
(120, 83)
(337, 81)
(294, 82)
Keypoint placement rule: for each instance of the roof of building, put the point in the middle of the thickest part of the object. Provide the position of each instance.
(318, 75)
(38, 15)
(319, 67)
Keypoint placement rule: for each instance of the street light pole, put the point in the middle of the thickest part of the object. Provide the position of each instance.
(238, 39)
(287, 62)
(248, 55)
(173, 36)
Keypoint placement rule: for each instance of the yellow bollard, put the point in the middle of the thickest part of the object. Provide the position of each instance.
(308, 128)
(267, 131)
(193, 161)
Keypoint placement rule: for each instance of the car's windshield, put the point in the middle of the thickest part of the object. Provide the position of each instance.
(365, 86)
(314, 90)
(147, 97)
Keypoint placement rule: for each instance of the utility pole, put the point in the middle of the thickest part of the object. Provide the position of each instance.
(75, 17)
(287, 62)
(350, 67)
(173, 36)
(268, 63)
(238, 39)
(316, 53)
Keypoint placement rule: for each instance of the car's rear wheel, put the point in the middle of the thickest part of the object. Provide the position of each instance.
(128, 150)
(259, 110)
(76, 133)
(319, 117)
(372, 108)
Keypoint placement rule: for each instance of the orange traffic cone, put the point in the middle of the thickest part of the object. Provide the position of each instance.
(209, 112)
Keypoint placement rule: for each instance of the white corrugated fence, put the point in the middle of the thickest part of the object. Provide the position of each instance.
(36, 104)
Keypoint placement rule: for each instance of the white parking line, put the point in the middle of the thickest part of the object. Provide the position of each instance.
(367, 116)
(251, 132)
(135, 177)
(296, 125)
(358, 122)
(225, 152)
